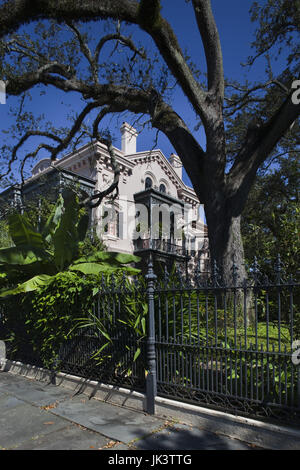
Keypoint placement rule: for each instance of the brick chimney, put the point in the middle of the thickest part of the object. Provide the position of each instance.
(129, 135)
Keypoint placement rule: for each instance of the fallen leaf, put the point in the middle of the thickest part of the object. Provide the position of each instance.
(109, 445)
(49, 407)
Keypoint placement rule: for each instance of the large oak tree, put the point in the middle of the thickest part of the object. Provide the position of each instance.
(223, 173)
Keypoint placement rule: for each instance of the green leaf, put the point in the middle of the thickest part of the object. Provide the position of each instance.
(32, 284)
(95, 291)
(105, 268)
(109, 257)
(145, 309)
(96, 354)
(53, 220)
(82, 227)
(22, 232)
(233, 375)
(22, 255)
(65, 237)
(137, 353)
(137, 321)
(29, 270)
(106, 335)
(124, 258)
(143, 322)
(92, 268)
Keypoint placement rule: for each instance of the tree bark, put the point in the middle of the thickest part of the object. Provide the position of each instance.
(225, 242)
(226, 250)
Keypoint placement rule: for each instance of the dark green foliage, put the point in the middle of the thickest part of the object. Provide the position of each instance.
(52, 274)
(271, 220)
(39, 210)
(54, 314)
(91, 243)
(5, 238)
(50, 318)
(55, 247)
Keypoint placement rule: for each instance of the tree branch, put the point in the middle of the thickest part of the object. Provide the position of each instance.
(23, 139)
(121, 97)
(15, 13)
(120, 38)
(166, 41)
(259, 143)
(16, 86)
(85, 50)
(212, 47)
(54, 151)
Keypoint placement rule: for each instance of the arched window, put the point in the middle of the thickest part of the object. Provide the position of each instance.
(112, 220)
(162, 188)
(105, 217)
(148, 183)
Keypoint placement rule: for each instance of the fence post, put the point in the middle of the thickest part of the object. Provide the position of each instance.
(151, 380)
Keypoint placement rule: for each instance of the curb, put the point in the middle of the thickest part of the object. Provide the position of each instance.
(248, 430)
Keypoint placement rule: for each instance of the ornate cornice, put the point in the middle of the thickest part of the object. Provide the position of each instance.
(184, 192)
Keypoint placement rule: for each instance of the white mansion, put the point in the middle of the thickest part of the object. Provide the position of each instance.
(150, 186)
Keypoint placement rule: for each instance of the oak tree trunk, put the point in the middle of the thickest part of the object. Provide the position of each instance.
(226, 249)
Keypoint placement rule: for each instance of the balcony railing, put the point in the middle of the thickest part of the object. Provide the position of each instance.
(164, 246)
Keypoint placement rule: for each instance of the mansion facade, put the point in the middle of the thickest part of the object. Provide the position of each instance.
(154, 210)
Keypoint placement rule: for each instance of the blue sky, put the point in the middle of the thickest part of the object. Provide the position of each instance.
(236, 33)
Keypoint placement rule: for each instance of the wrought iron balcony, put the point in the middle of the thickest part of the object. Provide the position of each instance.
(157, 244)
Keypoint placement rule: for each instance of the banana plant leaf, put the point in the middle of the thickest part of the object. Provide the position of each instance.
(97, 268)
(82, 227)
(38, 256)
(53, 220)
(65, 238)
(109, 257)
(13, 271)
(22, 255)
(32, 284)
(22, 232)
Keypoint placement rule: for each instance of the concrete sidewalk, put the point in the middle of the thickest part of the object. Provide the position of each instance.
(41, 416)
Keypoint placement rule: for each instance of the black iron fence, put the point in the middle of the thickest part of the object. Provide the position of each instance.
(104, 348)
(233, 346)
